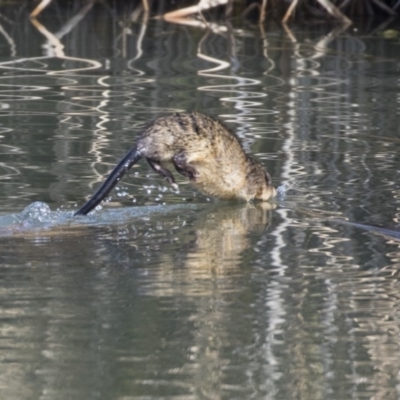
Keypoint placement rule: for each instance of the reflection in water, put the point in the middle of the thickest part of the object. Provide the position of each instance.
(211, 300)
(221, 237)
(203, 269)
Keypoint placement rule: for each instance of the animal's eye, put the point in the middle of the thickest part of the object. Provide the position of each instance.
(268, 178)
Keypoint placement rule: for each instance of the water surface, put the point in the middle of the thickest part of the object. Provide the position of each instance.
(173, 295)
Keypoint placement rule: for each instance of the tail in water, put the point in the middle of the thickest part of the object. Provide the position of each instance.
(115, 176)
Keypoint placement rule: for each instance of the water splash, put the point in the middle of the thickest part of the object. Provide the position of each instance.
(37, 212)
(38, 219)
(37, 215)
(281, 191)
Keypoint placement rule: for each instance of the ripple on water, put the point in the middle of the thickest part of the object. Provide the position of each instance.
(38, 216)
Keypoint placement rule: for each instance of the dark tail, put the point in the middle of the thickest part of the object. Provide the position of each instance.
(115, 176)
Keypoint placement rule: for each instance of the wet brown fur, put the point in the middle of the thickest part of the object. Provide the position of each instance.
(205, 151)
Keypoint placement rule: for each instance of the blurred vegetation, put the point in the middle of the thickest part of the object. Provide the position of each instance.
(261, 10)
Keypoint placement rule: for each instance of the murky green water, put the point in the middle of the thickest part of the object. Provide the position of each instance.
(165, 294)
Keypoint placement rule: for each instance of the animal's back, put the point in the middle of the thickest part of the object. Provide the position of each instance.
(214, 151)
(191, 132)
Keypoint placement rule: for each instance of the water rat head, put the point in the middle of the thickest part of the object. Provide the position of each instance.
(258, 183)
(268, 191)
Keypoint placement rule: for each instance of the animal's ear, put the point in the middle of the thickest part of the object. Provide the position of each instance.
(268, 178)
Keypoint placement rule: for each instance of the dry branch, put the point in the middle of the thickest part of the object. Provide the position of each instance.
(201, 6)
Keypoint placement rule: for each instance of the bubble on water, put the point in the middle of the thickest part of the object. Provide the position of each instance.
(36, 212)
